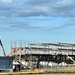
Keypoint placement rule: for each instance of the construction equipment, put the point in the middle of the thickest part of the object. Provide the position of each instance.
(2, 48)
(70, 58)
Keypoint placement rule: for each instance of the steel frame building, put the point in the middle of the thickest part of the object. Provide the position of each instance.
(56, 52)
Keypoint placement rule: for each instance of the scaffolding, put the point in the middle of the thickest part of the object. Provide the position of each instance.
(60, 54)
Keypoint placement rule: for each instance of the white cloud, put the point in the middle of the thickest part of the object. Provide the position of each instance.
(29, 8)
(24, 8)
(7, 1)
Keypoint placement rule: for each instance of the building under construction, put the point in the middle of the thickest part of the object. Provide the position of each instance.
(44, 52)
(36, 55)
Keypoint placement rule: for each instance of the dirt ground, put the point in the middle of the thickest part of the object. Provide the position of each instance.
(53, 74)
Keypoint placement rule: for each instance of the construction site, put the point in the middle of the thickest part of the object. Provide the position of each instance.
(40, 57)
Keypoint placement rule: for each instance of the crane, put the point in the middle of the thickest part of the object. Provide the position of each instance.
(2, 48)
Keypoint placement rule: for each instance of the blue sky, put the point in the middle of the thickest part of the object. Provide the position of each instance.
(37, 21)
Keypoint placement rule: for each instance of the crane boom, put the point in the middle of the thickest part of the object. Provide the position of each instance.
(70, 58)
(2, 48)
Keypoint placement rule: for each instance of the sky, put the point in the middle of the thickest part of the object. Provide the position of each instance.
(36, 21)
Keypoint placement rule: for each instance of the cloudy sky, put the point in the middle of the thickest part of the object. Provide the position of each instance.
(37, 21)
